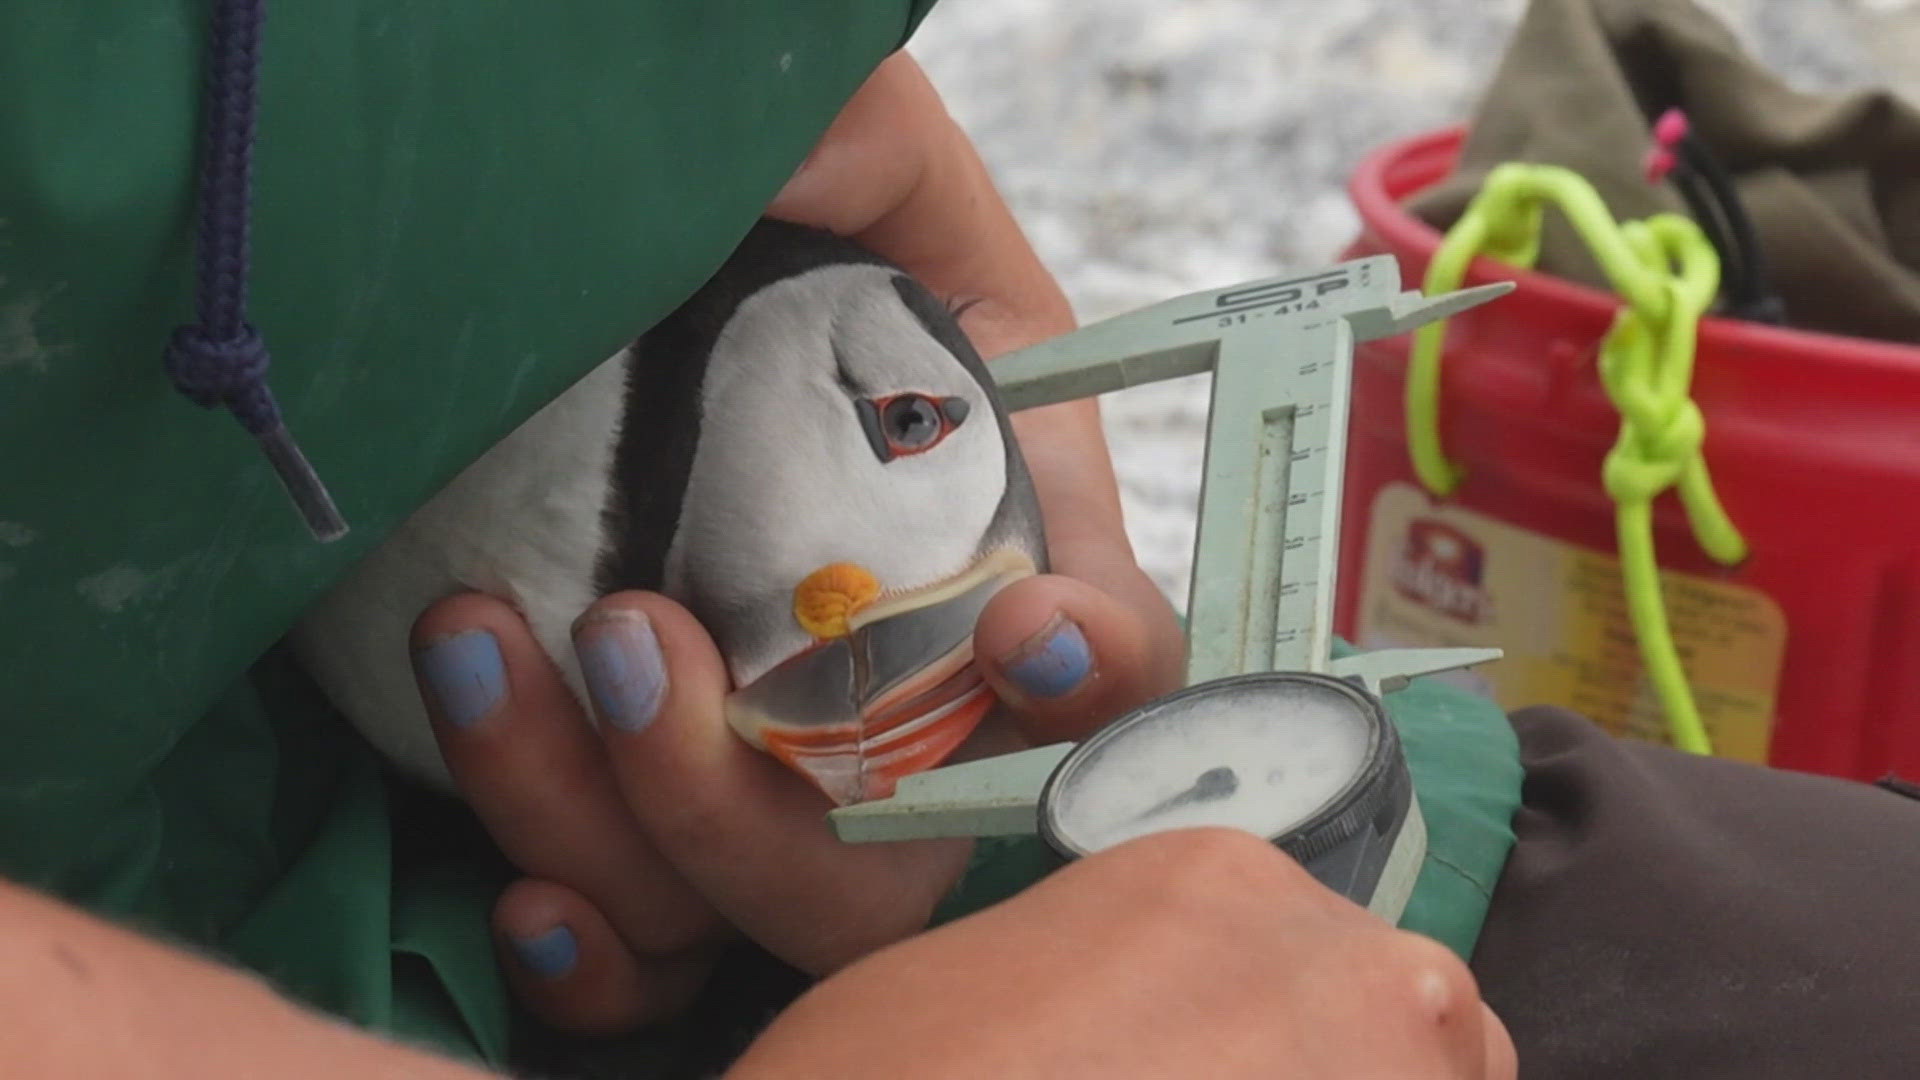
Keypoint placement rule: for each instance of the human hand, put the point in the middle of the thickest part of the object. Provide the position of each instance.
(645, 847)
(1196, 953)
(81, 995)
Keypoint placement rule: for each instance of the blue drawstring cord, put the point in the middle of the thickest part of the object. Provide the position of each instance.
(222, 360)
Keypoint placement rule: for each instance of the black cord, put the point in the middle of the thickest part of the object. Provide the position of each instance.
(1714, 201)
(1747, 291)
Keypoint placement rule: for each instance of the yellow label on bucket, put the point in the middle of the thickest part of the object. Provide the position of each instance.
(1441, 576)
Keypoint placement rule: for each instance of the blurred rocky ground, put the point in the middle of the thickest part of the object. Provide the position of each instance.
(1154, 147)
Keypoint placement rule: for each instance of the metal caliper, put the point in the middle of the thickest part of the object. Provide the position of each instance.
(1280, 352)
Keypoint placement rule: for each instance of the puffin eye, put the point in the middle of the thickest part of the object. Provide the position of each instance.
(906, 424)
(911, 422)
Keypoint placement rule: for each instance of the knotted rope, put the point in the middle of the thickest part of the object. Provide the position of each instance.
(1667, 273)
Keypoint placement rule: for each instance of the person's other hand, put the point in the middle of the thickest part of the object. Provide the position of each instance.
(648, 840)
(1199, 953)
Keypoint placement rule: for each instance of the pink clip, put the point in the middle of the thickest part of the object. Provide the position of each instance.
(1668, 132)
(1660, 161)
(1672, 127)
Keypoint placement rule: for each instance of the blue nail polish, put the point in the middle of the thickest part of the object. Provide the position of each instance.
(549, 955)
(1054, 664)
(465, 674)
(626, 675)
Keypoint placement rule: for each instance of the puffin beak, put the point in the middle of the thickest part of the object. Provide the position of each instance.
(894, 696)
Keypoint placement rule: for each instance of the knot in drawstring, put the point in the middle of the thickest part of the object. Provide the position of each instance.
(230, 371)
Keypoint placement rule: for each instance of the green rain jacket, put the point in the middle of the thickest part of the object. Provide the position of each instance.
(459, 210)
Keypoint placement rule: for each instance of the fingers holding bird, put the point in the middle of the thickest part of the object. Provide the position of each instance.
(605, 932)
(748, 832)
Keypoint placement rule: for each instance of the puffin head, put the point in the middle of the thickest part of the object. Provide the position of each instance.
(849, 497)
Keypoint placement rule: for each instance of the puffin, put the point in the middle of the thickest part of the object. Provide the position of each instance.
(807, 453)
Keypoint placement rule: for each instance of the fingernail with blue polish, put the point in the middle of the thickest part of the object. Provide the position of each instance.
(626, 675)
(549, 955)
(465, 674)
(1053, 663)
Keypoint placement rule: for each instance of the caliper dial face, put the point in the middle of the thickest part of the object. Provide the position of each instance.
(1263, 756)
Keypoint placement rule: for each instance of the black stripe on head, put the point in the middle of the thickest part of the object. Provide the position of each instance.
(940, 324)
(666, 369)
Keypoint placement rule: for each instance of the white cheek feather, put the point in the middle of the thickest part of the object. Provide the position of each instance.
(522, 523)
(784, 480)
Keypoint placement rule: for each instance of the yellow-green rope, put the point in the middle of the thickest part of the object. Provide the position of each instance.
(1667, 273)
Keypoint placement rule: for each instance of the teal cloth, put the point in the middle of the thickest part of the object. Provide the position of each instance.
(460, 209)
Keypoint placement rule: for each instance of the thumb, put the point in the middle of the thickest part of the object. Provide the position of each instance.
(1068, 657)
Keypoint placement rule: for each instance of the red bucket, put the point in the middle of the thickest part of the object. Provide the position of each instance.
(1806, 656)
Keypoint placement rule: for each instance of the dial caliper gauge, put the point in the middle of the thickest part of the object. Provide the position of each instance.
(1272, 735)
(1310, 762)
